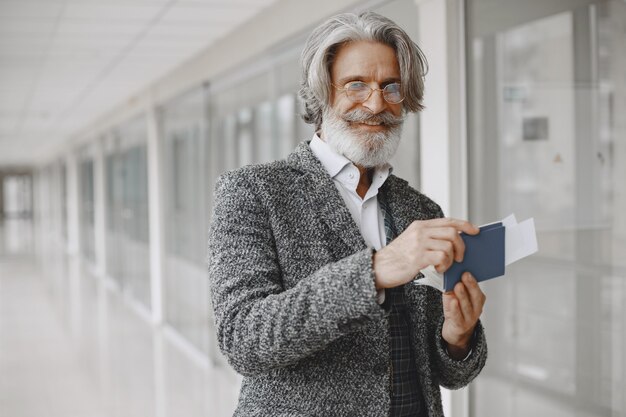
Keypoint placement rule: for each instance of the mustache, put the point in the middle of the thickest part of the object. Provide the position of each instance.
(359, 115)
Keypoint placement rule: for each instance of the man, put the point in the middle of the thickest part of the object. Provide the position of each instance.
(312, 306)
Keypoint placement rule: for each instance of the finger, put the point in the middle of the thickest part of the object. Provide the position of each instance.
(476, 295)
(441, 245)
(458, 224)
(441, 260)
(464, 301)
(451, 307)
(441, 268)
(449, 234)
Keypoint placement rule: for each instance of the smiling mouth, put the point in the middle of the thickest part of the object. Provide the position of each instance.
(369, 125)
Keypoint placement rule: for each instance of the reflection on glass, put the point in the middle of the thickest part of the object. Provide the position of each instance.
(546, 87)
(263, 134)
(63, 199)
(87, 218)
(286, 125)
(185, 158)
(245, 137)
(229, 142)
(127, 208)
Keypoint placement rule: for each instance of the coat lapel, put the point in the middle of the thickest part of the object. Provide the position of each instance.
(319, 189)
(401, 205)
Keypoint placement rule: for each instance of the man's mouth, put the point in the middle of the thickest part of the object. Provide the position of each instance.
(371, 123)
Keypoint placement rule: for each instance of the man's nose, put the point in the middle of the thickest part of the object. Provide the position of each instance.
(375, 102)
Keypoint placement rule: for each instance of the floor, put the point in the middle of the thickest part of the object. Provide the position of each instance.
(73, 346)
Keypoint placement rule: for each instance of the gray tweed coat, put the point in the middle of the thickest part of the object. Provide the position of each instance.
(294, 299)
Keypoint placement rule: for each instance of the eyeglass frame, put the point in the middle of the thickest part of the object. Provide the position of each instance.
(382, 90)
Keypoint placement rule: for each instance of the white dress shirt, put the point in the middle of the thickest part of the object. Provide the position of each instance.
(365, 211)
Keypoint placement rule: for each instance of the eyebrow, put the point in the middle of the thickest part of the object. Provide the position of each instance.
(345, 80)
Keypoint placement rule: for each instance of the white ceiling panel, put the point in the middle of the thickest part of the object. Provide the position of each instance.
(104, 40)
(11, 103)
(195, 31)
(127, 76)
(123, 3)
(25, 26)
(118, 11)
(225, 3)
(32, 9)
(152, 40)
(58, 76)
(16, 79)
(177, 45)
(167, 51)
(37, 123)
(208, 15)
(7, 143)
(66, 63)
(22, 46)
(83, 54)
(7, 125)
(77, 119)
(96, 26)
(8, 128)
(48, 105)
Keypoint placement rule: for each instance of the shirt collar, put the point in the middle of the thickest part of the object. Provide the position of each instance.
(330, 159)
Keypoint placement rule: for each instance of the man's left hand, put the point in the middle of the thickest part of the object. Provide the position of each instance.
(462, 308)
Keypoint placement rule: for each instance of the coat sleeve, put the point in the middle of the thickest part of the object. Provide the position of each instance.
(455, 374)
(259, 324)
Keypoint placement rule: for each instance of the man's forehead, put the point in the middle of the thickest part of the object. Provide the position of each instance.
(366, 59)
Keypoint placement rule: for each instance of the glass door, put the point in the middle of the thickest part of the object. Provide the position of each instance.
(547, 139)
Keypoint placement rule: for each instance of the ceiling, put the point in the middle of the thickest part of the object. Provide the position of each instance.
(64, 63)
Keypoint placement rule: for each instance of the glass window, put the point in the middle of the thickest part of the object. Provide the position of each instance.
(227, 143)
(185, 160)
(128, 257)
(63, 199)
(245, 137)
(263, 132)
(86, 216)
(183, 127)
(546, 88)
(113, 216)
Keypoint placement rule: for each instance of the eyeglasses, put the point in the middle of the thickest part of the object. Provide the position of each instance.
(360, 92)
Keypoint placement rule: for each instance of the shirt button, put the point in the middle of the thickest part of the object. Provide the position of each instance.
(381, 368)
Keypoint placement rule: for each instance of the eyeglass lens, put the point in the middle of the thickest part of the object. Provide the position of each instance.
(359, 92)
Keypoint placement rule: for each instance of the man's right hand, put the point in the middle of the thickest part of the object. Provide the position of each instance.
(428, 242)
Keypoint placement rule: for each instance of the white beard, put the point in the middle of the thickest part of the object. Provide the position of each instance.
(367, 149)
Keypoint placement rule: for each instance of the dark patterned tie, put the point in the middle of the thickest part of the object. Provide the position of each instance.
(406, 397)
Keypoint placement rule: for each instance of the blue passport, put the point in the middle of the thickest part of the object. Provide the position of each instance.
(484, 256)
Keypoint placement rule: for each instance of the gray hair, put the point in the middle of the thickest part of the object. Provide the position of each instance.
(322, 45)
